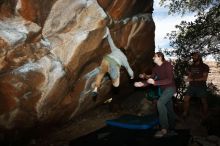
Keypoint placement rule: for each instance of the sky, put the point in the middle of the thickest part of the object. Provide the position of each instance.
(165, 24)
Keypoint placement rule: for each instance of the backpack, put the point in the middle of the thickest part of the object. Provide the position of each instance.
(153, 92)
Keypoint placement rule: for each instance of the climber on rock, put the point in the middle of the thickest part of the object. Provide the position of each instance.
(111, 64)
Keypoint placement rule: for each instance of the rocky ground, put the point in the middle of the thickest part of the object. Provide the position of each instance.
(203, 132)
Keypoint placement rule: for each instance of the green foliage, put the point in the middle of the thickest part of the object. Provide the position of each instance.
(185, 6)
(202, 35)
(180, 68)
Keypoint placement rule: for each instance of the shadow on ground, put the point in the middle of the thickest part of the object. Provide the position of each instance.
(109, 136)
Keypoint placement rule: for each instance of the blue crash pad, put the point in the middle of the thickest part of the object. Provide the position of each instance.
(134, 121)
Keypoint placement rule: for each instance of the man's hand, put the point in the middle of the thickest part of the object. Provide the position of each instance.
(142, 76)
(138, 84)
(151, 81)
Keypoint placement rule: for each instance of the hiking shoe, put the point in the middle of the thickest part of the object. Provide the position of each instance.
(160, 133)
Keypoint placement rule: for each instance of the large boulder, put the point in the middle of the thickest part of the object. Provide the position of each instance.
(50, 52)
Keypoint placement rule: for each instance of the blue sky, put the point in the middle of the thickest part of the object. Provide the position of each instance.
(165, 24)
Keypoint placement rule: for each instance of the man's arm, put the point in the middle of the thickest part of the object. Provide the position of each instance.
(148, 81)
(189, 78)
(144, 76)
(203, 78)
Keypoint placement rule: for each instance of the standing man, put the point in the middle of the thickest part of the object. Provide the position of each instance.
(111, 63)
(197, 77)
(162, 75)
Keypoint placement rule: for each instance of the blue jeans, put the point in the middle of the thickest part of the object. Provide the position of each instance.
(167, 115)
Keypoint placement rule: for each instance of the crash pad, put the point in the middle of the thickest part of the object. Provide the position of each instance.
(134, 121)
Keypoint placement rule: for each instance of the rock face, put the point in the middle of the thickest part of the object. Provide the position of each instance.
(50, 51)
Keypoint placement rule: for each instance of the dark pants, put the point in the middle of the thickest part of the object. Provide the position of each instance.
(196, 91)
(167, 115)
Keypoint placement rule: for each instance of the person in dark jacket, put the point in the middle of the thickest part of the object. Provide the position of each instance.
(197, 77)
(162, 75)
